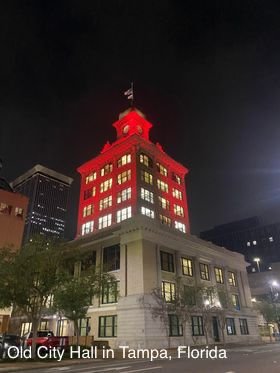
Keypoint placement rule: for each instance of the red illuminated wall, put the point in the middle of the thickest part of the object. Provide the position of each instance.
(132, 140)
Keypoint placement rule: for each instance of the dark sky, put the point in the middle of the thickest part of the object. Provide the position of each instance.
(206, 74)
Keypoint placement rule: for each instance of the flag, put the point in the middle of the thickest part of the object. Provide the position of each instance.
(129, 93)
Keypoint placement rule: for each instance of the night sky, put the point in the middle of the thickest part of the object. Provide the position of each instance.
(206, 74)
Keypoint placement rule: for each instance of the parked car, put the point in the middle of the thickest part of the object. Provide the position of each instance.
(7, 341)
(45, 338)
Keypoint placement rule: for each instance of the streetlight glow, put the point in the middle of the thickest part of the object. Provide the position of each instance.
(257, 260)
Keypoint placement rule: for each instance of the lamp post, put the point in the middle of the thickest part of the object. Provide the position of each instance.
(257, 260)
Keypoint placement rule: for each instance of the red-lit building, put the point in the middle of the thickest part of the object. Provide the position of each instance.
(132, 176)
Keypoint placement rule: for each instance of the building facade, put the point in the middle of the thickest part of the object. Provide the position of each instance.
(250, 238)
(48, 193)
(133, 222)
(13, 209)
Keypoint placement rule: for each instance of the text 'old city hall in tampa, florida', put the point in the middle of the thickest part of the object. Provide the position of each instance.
(133, 220)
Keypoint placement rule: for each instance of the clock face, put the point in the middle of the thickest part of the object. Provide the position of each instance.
(125, 129)
(139, 129)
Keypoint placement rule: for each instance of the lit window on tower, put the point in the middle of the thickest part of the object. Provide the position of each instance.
(106, 185)
(164, 203)
(87, 210)
(147, 195)
(165, 220)
(105, 203)
(106, 169)
(124, 177)
(123, 214)
(88, 193)
(161, 169)
(145, 160)
(124, 195)
(19, 212)
(125, 159)
(147, 212)
(176, 193)
(87, 228)
(105, 221)
(180, 226)
(90, 177)
(162, 186)
(147, 177)
(178, 210)
(176, 178)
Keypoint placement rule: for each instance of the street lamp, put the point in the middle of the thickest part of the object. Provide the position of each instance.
(257, 260)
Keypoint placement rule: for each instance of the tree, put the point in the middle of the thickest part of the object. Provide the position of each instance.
(187, 301)
(74, 296)
(30, 276)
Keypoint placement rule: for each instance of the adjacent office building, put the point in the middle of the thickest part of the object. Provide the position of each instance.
(251, 238)
(48, 193)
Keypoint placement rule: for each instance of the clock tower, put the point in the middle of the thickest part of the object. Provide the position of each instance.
(132, 176)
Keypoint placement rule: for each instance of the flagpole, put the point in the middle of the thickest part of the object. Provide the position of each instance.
(132, 99)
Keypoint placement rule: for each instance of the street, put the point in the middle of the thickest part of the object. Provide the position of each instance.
(240, 360)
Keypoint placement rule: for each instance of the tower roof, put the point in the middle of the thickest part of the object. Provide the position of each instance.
(132, 121)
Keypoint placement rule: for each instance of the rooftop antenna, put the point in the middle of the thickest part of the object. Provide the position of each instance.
(130, 94)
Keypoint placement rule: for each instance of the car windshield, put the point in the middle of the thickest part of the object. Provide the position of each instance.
(42, 333)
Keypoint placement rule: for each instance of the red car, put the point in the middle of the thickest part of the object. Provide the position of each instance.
(46, 338)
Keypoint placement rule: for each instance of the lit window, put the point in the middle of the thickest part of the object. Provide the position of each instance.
(176, 193)
(254, 243)
(165, 220)
(164, 203)
(231, 278)
(178, 210)
(219, 275)
(270, 239)
(87, 228)
(147, 177)
(180, 226)
(5, 209)
(123, 214)
(176, 178)
(105, 203)
(124, 195)
(187, 267)
(90, 177)
(19, 212)
(125, 159)
(107, 326)
(161, 169)
(106, 185)
(147, 212)
(146, 160)
(162, 185)
(235, 301)
(168, 291)
(204, 271)
(87, 210)
(124, 177)
(147, 195)
(230, 326)
(167, 261)
(248, 243)
(106, 169)
(110, 292)
(105, 221)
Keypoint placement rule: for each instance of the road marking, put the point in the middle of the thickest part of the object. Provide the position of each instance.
(141, 370)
